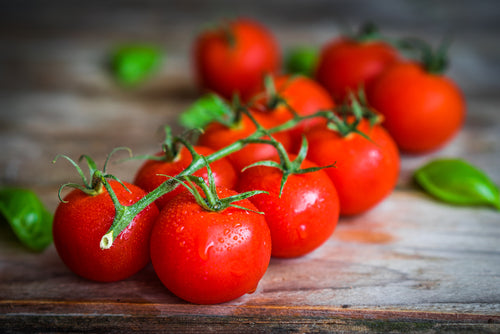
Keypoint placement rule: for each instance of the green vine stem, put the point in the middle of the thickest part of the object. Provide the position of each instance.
(125, 214)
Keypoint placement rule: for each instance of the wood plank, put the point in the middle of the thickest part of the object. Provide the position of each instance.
(410, 264)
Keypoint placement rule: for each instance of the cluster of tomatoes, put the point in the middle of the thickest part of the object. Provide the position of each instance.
(205, 254)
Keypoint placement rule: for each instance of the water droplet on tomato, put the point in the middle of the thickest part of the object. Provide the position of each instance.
(252, 290)
(179, 229)
(221, 240)
(302, 231)
(204, 249)
(226, 231)
(237, 268)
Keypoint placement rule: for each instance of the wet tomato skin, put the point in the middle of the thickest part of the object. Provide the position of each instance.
(305, 215)
(210, 257)
(422, 111)
(154, 172)
(235, 57)
(366, 170)
(218, 136)
(301, 94)
(82, 220)
(346, 65)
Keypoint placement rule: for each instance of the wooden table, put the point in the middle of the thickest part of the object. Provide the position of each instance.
(410, 264)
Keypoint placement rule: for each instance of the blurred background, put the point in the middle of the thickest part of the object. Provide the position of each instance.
(57, 95)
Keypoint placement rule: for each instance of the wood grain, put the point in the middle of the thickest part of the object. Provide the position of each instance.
(411, 264)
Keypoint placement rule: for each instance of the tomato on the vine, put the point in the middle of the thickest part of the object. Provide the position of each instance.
(210, 257)
(422, 110)
(154, 172)
(367, 169)
(303, 217)
(82, 220)
(293, 93)
(217, 136)
(235, 56)
(347, 64)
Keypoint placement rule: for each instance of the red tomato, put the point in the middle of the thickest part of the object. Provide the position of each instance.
(234, 58)
(209, 257)
(152, 172)
(422, 111)
(345, 65)
(217, 136)
(303, 95)
(305, 215)
(80, 224)
(366, 169)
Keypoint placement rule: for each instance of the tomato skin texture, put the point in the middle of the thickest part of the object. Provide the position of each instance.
(305, 215)
(225, 68)
(345, 64)
(210, 257)
(152, 173)
(80, 224)
(366, 170)
(422, 111)
(218, 136)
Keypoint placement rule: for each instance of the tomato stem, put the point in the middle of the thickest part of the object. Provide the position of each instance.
(433, 61)
(125, 214)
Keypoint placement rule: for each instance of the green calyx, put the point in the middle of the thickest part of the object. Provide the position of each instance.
(368, 32)
(126, 213)
(434, 61)
(97, 181)
(211, 201)
(351, 114)
(274, 99)
(285, 164)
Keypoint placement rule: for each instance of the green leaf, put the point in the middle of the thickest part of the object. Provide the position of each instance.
(27, 216)
(458, 182)
(133, 63)
(302, 60)
(206, 109)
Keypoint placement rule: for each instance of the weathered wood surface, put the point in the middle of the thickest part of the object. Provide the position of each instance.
(411, 264)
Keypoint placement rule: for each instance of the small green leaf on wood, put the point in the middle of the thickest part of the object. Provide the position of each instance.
(458, 182)
(302, 60)
(133, 63)
(27, 216)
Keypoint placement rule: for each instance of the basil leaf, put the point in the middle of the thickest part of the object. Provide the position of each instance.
(206, 109)
(131, 64)
(302, 60)
(458, 182)
(27, 216)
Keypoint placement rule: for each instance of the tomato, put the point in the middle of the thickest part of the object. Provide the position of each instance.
(347, 64)
(366, 169)
(82, 220)
(234, 58)
(303, 217)
(303, 95)
(218, 136)
(422, 111)
(153, 172)
(209, 257)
